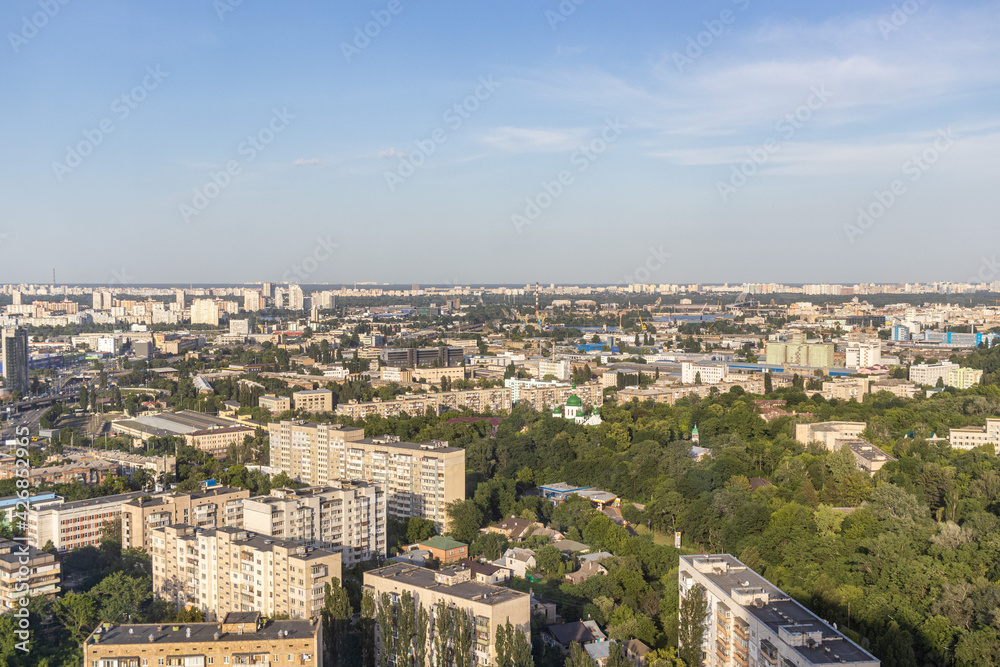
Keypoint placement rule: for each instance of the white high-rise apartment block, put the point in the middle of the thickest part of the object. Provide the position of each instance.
(929, 374)
(296, 300)
(205, 311)
(863, 355)
(279, 298)
(344, 517)
(751, 622)
(251, 300)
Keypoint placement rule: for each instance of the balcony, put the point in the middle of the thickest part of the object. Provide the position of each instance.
(743, 630)
(741, 659)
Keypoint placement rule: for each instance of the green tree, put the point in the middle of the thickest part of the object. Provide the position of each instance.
(895, 647)
(691, 631)
(122, 596)
(465, 520)
(337, 614)
(578, 657)
(77, 612)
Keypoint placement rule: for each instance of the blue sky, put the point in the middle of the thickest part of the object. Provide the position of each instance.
(476, 143)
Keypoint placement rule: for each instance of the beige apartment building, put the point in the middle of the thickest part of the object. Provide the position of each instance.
(313, 400)
(223, 570)
(241, 639)
(275, 404)
(488, 606)
(828, 433)
(545, 397)
(345, 517)
(216, 441)
(477, 400)
(208, 508)
(417, 479)
(43, 576)
(845, 389)
(751, 622)
(975, 436)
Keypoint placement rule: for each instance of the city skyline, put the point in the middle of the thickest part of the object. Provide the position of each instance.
(229, 142)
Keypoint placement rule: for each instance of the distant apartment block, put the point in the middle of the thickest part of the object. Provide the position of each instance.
(433, 375)
(208, 508)
(705, 373)
(846, 389)
(275, 404)
(345, 517)
(205, 311)
(546, 396)
(242, 638)
(14, 352)
(751, 621)
(217, 440)
(313, 400)
(43, 576)
(799, 353)
(477, 400)
(827, 433)
(417, 479)
(963, 378)
(929, 374)
(413, 357)
(863, 354)
(225, 570)
(976, 436)
(898, 387)
(488, 607)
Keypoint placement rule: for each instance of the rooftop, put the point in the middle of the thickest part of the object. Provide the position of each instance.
(421, 577)
(442, 543)
(199, 632)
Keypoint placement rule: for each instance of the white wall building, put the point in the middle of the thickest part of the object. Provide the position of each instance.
(863, 355)
(707, 373)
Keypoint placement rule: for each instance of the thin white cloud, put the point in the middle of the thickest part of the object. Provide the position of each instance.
(533, 140)
(302, 162)
(390, 153)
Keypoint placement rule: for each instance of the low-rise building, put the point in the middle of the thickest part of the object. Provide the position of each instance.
(827, 433)
(752, 620)
(867, 456)
(519, 561)
(217, 441)
(275, 404)
(313, 400)
(223, 570)
(976, 436)
(242, 638)
(445, 549)
(487, 607)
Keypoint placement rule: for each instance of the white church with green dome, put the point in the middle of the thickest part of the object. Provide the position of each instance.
(573, 409)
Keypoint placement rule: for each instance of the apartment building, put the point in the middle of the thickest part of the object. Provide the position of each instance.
(222, 570)
(208, 508)
(43, 576)
(313, 400)
(975, 436)
(217, 440)
(547, 396)
(845, 389)
(275, 404)
(434, 375)
(75, 524)
(417, 479)
(929, 374)
(241, 638)
(827, 433)
(963, 378)
(345, 517)
(488, 606)
(861, 354)
(751, 622)
(411, 357)
(692, 373)
(477, 400)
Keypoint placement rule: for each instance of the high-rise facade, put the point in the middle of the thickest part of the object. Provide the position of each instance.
(208, 508)
(418, 479)
(346, 517)
(296, 299)
(15, 360)
(205, 311)
(751, 622)
(225, 570)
